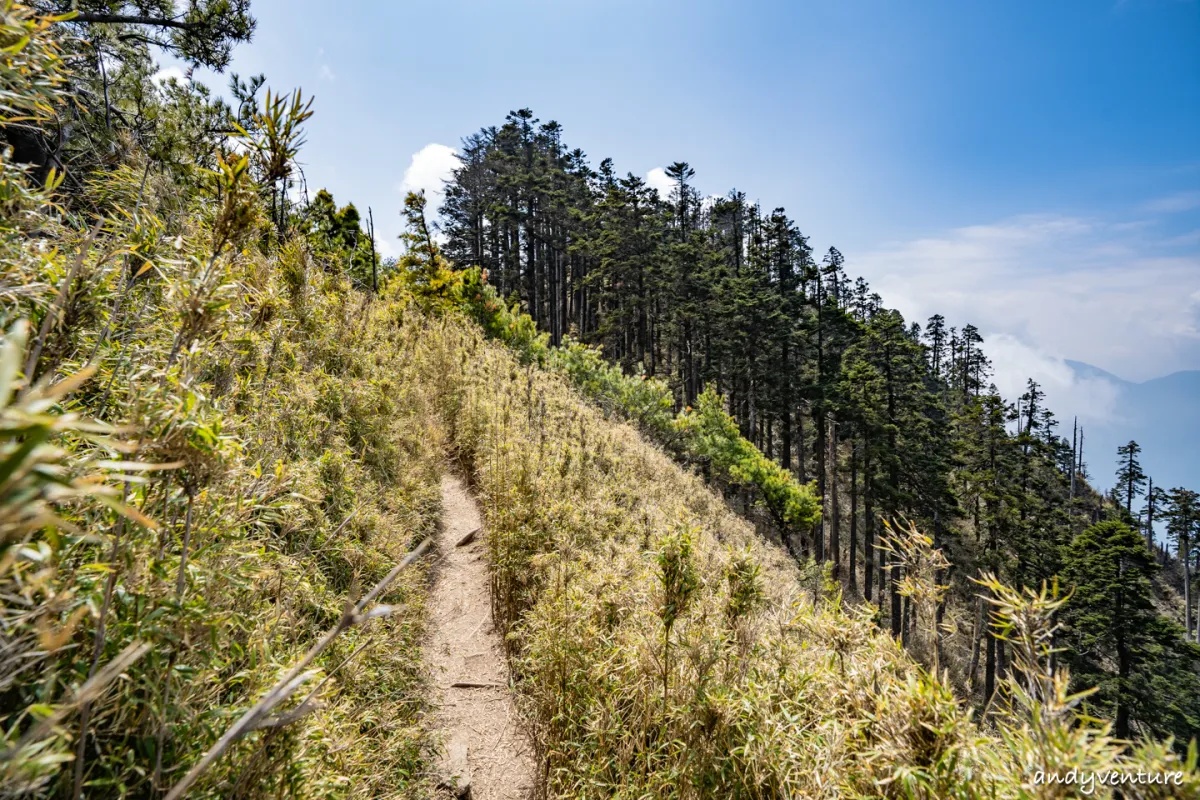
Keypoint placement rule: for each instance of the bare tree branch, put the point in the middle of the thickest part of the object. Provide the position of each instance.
(290, 681)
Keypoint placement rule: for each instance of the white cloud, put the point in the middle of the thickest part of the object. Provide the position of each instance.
(1093, 398)
(387, 248)
(430, 168)
(1171, 204)
(658, 181)
(160, 77)
(1062, 287)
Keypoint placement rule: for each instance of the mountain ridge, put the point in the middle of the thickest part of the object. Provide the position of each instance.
(1154, 413)
(1082, 369)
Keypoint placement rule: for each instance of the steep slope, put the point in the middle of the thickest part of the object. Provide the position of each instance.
(665, 650)
(303, 464)
(188, 537)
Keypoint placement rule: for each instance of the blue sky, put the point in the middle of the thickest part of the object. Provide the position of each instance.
(1031, 167)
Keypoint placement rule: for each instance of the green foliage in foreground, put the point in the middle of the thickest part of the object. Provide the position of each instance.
(305, 468)
(206, 446)
(212, 441)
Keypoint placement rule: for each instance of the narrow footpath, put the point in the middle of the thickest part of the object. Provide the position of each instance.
(486, 753)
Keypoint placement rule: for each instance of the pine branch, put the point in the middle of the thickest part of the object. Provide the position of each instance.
(135, 19)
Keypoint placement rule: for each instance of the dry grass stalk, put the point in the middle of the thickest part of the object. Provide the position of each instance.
(294, 677)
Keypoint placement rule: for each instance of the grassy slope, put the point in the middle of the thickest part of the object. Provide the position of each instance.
(766, 692)
(326, 402)
(312, 465)
(663, 650)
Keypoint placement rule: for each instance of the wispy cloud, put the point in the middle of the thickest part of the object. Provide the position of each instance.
(387, 248)
(324, 71)
(1057, 286)
(1090, 397)
(658, 180)
(172, 72)
(1189, 239)
(1173, 204)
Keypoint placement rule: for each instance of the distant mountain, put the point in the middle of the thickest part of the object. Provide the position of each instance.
(1162, 415)
(1084, 371)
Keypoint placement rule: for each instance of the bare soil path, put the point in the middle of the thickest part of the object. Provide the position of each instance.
(486, 750)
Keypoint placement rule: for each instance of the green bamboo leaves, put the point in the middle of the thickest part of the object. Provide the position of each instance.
(33, 74)
(275, 137)
(678, 575)
(34, 472)
(679, 583)
(714, 435)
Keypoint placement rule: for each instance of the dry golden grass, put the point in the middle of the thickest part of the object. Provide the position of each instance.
(662, 649)
(756, 688)
(307, 463)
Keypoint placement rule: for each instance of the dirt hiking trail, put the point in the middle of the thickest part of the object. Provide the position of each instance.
(486, 753)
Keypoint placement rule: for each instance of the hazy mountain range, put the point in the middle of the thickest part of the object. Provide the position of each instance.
(1159, 414)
